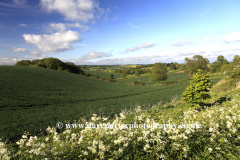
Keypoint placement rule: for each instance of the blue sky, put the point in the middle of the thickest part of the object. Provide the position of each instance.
(107, 32)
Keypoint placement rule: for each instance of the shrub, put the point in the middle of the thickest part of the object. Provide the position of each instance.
(233, 76)
(139, 83)
(198, 89)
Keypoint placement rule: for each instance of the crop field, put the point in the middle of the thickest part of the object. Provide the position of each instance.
(171, 77)
(105, 74)
(34, 98)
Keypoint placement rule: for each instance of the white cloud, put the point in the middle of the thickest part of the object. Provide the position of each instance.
(233, 37)
(139, 46)
(19, 49)
(60, 27)
(94, 55)
(147, 59)
(8, 61)
(114, 18)
(208, 38)
(63, 27)
(52, 43)
(19, 2)
(23, 25)
(180, 44)
(74, 10)
(187, 53)
(77, 25)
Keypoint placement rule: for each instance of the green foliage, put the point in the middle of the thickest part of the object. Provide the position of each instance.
(138, 72)
(42, 97)
(23, 63)
(232, 76)
(197, 62)
(124, 74)
(225, 68)
(173, 66)
(216, 66)
(104, 75)
(111, 76)
(171, 77)
(198, 89)
(236, 60)
(139, 83)
(52, 63)
(170, 82)
(158, 72)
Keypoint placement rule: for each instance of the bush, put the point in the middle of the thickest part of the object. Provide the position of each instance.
(198, 89)
(139, 83)
(171, 82)
(233, 76)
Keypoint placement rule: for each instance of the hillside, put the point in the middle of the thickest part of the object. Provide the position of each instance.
(215, 137)
(33, 98)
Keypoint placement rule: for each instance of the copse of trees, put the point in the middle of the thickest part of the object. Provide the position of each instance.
(158, 72)
(197, 62)
(23, 63)
(52, 63)
(216, 66)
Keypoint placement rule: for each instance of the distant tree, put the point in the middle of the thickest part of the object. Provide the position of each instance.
(158, 72)
(236, 60)
(87, 74)
(216, 66)
(23, 63)
(138, 72)
(73, 68)
(110, 76)
(52, 63)
(124, 74)
(197, 62)
(173, 66)
(225, 68)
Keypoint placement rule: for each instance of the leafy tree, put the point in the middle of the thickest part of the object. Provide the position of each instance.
(52, 63)
(198, 88)
(23, 63)
(158, 72)
(138, 72)
(225, 67)
(236, 60)
(173, 66)
(124, 74)
(216, 66)
(197, 62)
(110, 76)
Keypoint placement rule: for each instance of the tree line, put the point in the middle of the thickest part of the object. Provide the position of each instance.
(52, 63)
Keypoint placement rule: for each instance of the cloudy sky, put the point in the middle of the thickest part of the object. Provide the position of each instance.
(118, 31)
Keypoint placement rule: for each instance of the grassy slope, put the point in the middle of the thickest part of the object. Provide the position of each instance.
(105, 74)
(198, 142)
(171, 77)
(34, 98)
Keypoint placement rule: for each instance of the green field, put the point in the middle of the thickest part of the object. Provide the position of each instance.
(33, 98)
(171, 77)
(105, 74)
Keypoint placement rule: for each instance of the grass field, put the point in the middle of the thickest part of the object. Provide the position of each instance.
(34, 98)
(213, 134)
(105, 74)
(171, 77)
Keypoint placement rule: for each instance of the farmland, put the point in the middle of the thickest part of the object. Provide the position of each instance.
(104, 74)
(171, 77)
(34, 98)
